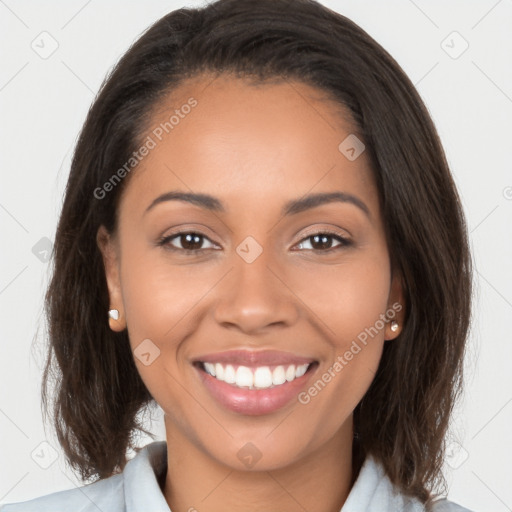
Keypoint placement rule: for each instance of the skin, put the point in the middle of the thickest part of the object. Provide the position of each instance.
(254, 147)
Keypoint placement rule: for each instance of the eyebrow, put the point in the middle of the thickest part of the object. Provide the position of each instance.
(292, 207)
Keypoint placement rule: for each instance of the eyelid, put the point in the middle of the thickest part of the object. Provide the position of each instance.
(327, 230)
(181, 229)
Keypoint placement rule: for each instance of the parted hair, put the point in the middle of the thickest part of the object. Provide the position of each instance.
(92, 391)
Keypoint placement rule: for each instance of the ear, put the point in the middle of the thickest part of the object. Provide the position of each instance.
(396, 307)
(109, 249)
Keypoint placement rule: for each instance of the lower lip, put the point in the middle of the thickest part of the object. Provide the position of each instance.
(254, 401)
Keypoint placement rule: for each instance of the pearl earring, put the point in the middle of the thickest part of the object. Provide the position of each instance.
(394, 326)
(114, 314)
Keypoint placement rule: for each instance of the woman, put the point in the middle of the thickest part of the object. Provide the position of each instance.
(260, 202)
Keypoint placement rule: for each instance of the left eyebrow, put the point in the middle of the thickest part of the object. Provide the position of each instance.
(313, 200)
(292, 207)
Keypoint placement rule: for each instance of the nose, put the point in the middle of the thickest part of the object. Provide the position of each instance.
(255, 296)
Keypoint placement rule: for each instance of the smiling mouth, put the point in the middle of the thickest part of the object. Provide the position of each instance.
(255, 377)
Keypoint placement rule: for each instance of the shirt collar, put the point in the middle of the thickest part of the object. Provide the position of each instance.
(141, 489)
(372, 490)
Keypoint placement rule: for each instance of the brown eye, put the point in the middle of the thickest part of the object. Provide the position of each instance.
(188, 241)
(323, 242)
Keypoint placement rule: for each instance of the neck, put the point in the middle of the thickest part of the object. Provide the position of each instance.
(197, 482)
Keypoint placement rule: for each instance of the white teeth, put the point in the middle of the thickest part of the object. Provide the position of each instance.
(244, 377)
(219, 371)
(301, 370)
(261, 377)
(229, 374)
(278, 376)
(210, 368)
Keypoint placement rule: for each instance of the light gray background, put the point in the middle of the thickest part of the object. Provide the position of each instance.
(43, 105)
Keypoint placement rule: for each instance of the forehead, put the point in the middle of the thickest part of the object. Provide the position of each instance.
(249, 143)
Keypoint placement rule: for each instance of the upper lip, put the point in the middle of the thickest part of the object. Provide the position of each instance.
(255, 358)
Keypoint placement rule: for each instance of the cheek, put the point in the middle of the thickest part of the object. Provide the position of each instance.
(159, 301)
(351, 301)
(348, 298)
(158, 295)
(162, 304)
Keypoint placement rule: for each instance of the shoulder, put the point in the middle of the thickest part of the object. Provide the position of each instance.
(105, 494)
(374, 491)
(135, 488)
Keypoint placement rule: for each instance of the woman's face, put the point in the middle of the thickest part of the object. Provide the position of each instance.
(280, 281)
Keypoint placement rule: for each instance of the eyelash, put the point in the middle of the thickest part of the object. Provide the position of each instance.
(165, 241)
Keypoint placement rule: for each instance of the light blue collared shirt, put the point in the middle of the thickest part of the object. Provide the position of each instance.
(136, 489)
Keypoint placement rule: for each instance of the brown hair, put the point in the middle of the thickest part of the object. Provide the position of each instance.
(403, 418)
